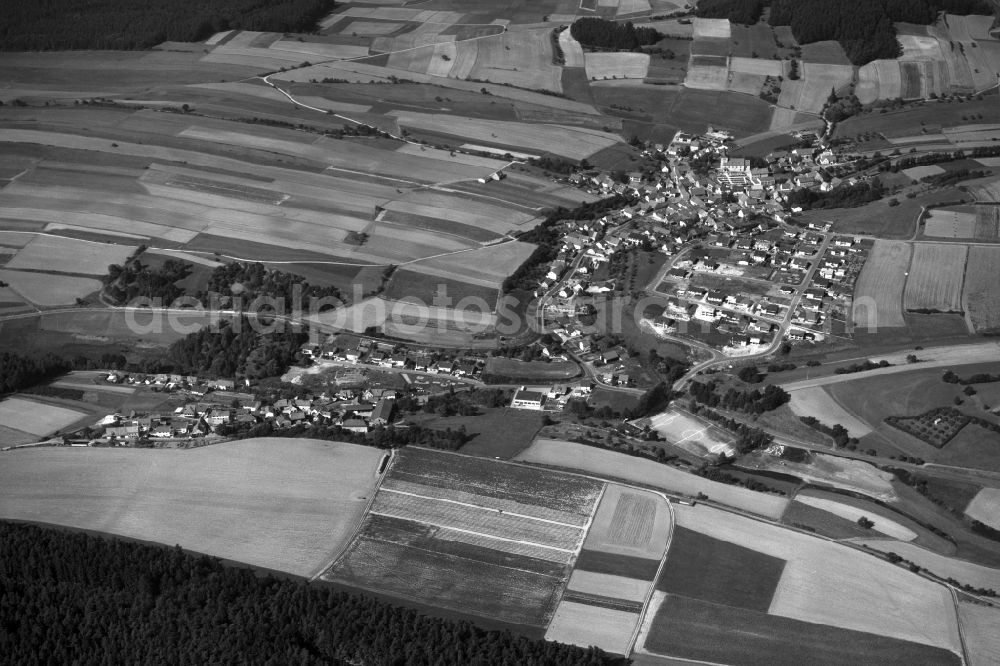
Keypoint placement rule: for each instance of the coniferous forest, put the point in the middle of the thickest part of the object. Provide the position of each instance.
(70, 598)
(603, 34)
(47, 25)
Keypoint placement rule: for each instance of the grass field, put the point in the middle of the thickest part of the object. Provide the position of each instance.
(950, 223)
(616, 65)
(818, 403)
(945, 567)
(586, 625)
(935, 278)
(693, 110)
(822, 522)
(630, 522)
(982, 641)
(878, 293)
(824, 53)
(719, 572)
(981, 295)
(617, 465)
(499, 432)
(283, 504)
(430, 289)
(886, 526)
(46, 290)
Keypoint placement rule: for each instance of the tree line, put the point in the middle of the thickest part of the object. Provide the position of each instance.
(72, 598)
(237, 349)
(844, 196)
(381, 437)
(250, 281)
(744, 12)
(19, 372)
(755, 401)
(48, 25)
(133, 279)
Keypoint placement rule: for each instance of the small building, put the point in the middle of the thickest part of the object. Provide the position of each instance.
(524, 399)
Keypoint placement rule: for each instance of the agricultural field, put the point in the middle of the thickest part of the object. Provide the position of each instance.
(850, 511)
(946, 567)
(818, 403)
(754, 41)
(982, 642)
(48, 290)
(470, 535)
(630, 522)
(985, 507)
(283, 504)
(68, 255)
(712, 28)
(981, 297)
(693, 110)
(707, 72)
(34, 418)
(824, 53)
(602, 66)
(954, 222)
(570, 455)
(878, 294)
(780, 606)
(935, 278)
(431, 289)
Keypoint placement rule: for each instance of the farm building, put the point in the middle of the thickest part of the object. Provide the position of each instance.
(528, 400)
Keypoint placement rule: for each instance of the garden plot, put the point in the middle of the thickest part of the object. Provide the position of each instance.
(585, 625)
(34, 418)
(878, 294)
(47, 290)
(985, 507)
(981, 295)
(707, 73)
(519, 57)
(756, 66)
(630, 522)
(616, 65)
(570, 142)
(816, 402)
(935, 278)
(881, 525)
(559, 453)
(713, 28)
(855, 590)
(68, 255)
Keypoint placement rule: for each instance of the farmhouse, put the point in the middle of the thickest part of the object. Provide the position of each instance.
(524, 399)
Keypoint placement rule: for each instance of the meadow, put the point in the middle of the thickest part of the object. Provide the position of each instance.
(283, 504)
(935, 279)
(878, 293)
(980, 287)
(985, 507)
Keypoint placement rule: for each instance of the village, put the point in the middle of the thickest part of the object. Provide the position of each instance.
(739, 276)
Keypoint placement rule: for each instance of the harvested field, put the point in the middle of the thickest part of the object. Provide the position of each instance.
(616, 65)
(612, 587)
(982, 640)
(945, 567)
(520, 57)
(756, 66)
(935, 280)
(68, 255)
(283, 504)
(985, 507)
(882, 525)
(878, 294)
(855, 592)
(697, 630)
(586, 625)
(715, 28)
(35, 418)
(572, 51)
(483, 265)
(879, 79)
(47, 290)
(719, 572)
(987, 191)
(816, 402)
(949, 223)
(570, 142)
(982, 299)
(630, 522)
(617, 465)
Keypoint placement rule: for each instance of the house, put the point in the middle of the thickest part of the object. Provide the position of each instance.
(814, 294)
(122, 432)
(222, 384)
(610, 356)
(524, 399)
(382, 412)
(355, 425)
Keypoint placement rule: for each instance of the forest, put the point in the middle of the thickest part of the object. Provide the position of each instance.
(242, 348)
(20, 372)
(602, 34)
(863, 27)
(744, 12)
(134, 280)
(254, 281)
(755, 401)
(845, 196)
(49, 25)
(72, 598)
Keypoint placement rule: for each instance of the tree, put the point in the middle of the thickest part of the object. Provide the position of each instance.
(865, 523)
